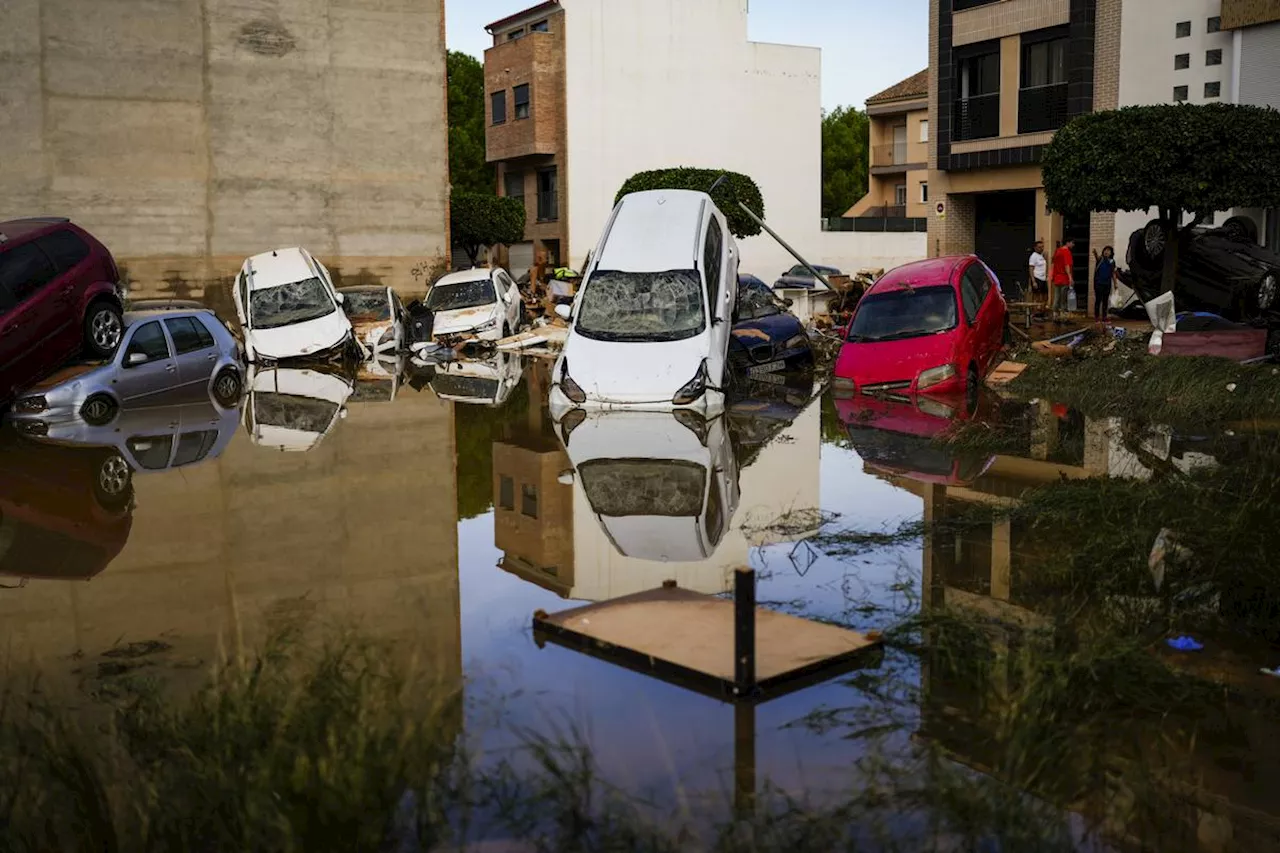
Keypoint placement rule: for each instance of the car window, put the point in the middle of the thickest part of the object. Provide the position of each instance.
(24, 270)
(981, 282)
(194, 446)
(756, 301)
(151, 451)
(202, 331)
(970, 296)
(186, 337)
(64, 248)
(711, 252)
(149, 340)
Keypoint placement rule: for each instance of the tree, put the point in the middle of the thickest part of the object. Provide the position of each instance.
(736, 188)
(468, 170)
(1172, 157)
(480, 220)
(846, 134)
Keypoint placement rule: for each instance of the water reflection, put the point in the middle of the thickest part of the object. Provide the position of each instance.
(293, 409)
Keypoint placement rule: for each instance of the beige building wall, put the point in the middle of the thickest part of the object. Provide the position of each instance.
(881, 190)
(189, 134)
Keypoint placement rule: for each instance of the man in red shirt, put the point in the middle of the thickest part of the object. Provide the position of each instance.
(1061, 279)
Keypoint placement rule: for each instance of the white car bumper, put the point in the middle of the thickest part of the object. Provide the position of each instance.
(708, 405)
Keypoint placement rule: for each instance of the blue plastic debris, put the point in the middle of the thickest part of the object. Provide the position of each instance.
(1272, 672)
(1184, 644)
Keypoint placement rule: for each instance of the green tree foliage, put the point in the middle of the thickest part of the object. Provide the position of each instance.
(480, 220)
(468, 170)
(846, 133)
(735, 188)
(1172, 157)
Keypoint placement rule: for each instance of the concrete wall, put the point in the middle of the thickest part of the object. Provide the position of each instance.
(851, 251)
(188, 134)
(659, 83)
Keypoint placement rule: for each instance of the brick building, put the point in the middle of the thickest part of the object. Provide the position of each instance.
(898, 175)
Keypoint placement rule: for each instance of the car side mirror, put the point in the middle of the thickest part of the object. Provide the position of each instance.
(788, 302)
(136, 358)
(342, 300)
(564, 312)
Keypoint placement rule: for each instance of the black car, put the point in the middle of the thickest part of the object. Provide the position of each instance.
(1221, 270)
(800, 276)
(767, 339)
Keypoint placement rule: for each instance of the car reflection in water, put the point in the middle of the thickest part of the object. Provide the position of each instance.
(487, 383)
(293, 409)
(663, 486)
(897, 435)
(378, 380)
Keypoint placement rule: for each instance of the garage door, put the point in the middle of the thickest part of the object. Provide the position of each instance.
(1004, 233)
(521, 258)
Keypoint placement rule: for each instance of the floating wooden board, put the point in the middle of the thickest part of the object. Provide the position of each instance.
(1005, 373)
(687, 638)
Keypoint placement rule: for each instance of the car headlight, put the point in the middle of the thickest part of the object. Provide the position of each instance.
(934, 408)
(31, 406)
(485, 327)
(843, 386)
(694, 388)
(935, 376)
(798, 341)
(571, 389)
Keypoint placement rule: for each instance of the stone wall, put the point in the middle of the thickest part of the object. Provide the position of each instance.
(188, 134)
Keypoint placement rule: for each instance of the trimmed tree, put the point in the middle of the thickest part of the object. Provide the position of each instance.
(735, 188)
(479, 220)
(1170, 157)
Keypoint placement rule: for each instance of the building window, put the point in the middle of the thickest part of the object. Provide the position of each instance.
(513, 185)
(977, 109)
(528, 501)
(1180, 93)
(1181, 62)
(548, 195)
(900, 195)
(924, 131)
(1213, 57)
(521, 93)
(1182, 30)
(506, 493)
(515, 34)
(539, 27)
(1042, 100)
(924, 192)
(1215, 24)
(1213, 90)
(499, 100)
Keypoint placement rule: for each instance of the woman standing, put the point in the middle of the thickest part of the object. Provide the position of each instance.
(1103, 274)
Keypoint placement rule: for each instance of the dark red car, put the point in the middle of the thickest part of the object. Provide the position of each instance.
(931, 327)
(59, 295)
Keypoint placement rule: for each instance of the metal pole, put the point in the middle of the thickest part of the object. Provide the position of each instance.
(744, 631)
(774, 234)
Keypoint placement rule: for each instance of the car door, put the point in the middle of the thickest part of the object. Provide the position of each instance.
(971, 308)
(985, 336)
(152, 379)
(195, 352)
(70, 257)
(509, 295)
(29, 325)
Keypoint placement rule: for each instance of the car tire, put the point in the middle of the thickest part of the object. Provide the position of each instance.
(99, 410)
(103, 329)
(113, 482)
(1242, 229)
(227, 387)
(1154, 241)
(1265, 296)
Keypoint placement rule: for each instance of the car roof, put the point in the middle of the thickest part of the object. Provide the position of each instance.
(279, 266)
(464, 276)
(17, 228)
(921, 273)
(655, 231)
(748, 278)
(133, 317)
(364, 288)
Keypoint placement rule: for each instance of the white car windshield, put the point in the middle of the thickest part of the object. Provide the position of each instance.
(642, 306)
(289, 411)
(456, 297)
(366, 304)
(286, 304)
(621, 488)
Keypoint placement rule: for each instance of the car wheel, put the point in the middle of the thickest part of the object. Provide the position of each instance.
(103, 328)
(99, 410)
(1265, 297)
(113, 482)
(1242, 229)
(1155, 239)
(226, 387)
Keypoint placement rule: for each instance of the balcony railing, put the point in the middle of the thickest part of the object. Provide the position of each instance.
(548, 206)
(977, 117)
(1042, 108)
(893, 154)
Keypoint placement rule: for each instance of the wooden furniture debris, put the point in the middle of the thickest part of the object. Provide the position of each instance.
(1006, 372)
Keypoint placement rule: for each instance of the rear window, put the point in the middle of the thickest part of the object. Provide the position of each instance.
(64, 248)
(366, 304)
(905, 313)
(189, 335)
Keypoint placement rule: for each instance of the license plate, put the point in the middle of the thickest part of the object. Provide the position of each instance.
(766, 369)
(768, 378)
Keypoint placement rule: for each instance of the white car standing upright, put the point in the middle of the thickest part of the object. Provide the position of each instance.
(485, 303)
(650, 326)
(288, 308)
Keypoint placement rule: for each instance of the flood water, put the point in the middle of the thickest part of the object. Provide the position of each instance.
(440, 511)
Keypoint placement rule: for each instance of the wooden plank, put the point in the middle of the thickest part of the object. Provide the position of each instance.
(1005, 373)
(695, 633)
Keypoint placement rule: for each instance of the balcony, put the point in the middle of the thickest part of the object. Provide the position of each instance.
(961, 5)
(977, 117)
(893, 154)
(1042, 108)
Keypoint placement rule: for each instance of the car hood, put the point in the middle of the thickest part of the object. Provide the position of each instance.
(776, 329)
(464, 319)
(301, 339)
(634, 373)
(894, 361)
(896, 416)
(68, 374)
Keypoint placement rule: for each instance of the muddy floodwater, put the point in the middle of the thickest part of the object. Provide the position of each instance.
(440, 510)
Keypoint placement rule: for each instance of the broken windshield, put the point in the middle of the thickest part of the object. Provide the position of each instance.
(289, 411)
(642, 306)
(618, 488)
(469, 387)
(286, 304)
(906, 313)
(366, 304)
(456, 297)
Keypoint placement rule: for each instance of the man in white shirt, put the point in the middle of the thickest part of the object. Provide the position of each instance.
(1038, 273)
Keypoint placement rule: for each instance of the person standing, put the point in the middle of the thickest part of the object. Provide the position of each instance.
(1103, 274)
(1062, 279)
(1038, 275)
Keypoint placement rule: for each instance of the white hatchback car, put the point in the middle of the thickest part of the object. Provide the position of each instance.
(485, 303)
(288, 308)
(650, 326)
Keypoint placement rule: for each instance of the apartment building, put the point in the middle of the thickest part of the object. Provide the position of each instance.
(582, 94)
(1255, 77)
(898, 177)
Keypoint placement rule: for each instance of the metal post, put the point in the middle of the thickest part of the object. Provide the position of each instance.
(744, 631)
(744, 759)
(774, 234)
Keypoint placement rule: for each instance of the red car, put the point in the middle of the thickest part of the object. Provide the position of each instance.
(59, 294)
(930, 327)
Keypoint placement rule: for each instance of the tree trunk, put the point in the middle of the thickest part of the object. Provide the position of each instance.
(1169, 276)
(473, 252)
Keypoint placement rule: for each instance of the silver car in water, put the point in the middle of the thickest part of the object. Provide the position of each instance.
(165, 357)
